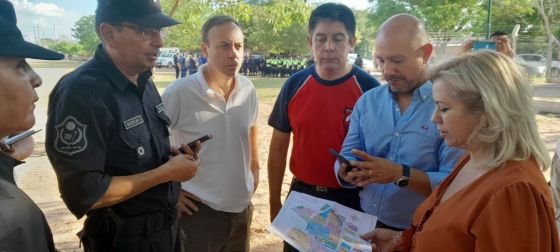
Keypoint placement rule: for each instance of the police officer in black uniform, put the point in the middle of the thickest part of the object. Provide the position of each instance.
(23, 226)
(107, 136)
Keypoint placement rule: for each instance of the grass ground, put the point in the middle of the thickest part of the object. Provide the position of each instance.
(55, 64)
(267, 88)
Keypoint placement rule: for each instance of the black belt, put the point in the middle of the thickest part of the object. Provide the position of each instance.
(316, 188)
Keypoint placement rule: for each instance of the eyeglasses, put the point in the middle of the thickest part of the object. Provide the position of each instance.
(147, 33)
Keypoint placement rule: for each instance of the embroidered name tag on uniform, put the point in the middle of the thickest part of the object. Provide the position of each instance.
(160, 108)
(133, 122)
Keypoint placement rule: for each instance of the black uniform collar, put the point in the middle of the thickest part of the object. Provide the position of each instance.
(7, 164)
(115, 75)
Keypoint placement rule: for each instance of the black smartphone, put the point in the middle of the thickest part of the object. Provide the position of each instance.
(340, 158)
(193, 143)
(20, 136)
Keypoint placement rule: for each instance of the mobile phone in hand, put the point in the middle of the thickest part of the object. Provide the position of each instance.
(340, 158)
(20, 136)
(193, 143)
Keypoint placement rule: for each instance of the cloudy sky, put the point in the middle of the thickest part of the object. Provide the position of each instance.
(50, 18)
(55, 18)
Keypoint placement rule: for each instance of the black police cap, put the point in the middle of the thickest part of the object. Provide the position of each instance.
(12, 43)
(144, 13)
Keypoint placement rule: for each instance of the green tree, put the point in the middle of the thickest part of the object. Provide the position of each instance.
(191, 14)
(442, 18)
(365, 34)
(270, 26)
(508, 13)
(280, 27)
(381, 10)
(70, 49)
(84, 32)
(550, 13)
(460, 19)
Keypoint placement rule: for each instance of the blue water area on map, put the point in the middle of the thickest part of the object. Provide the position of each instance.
(317, 229)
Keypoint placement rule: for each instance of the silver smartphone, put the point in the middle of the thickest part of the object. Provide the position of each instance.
(14, 139)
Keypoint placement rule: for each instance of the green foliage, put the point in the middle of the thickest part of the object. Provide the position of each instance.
(84, 32)
(507, 13)
(70, 49)
(365, 34)
(270, 27)
(191, 14)
(384, 9)
(462, 18)
(440, 17)
(280, 26)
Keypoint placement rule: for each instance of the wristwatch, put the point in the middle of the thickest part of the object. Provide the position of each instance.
(404, 180)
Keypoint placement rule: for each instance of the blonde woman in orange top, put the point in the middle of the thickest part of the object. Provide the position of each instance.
(496, 199)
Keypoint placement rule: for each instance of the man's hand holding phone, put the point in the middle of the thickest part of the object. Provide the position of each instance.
(193, 145)
(187, 200)
(345, 168)
(193, 148)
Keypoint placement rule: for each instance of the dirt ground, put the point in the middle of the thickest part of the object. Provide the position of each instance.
(36, 176)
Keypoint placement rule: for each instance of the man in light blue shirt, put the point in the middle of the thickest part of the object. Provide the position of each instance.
(396, 152)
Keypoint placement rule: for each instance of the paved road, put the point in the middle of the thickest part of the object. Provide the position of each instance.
(547, 98)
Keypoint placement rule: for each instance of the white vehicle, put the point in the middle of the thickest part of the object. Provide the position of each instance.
(368, 64)
(169, 50)
(535, 64)
(165, 60)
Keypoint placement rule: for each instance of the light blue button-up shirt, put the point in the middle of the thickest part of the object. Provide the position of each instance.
(378, 128)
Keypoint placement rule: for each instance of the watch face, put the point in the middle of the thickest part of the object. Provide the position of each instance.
(403, 181)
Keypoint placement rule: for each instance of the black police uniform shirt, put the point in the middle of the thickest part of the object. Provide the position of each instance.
(101, 125)
(23, 226)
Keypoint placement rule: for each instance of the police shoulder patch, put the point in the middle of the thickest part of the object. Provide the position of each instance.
(70, 136)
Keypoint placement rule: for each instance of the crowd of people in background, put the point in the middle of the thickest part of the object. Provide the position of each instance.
(282, 67)
(255, 65)
(186, 64)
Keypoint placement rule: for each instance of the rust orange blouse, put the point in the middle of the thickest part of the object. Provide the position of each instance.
(506, 209)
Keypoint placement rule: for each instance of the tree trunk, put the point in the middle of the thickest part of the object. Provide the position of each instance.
(174, 8)
(551, 38)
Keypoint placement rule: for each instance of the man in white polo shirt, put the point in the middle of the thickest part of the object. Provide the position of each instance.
(216, 204)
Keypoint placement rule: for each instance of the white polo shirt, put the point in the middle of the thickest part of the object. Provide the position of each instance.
(224, 180)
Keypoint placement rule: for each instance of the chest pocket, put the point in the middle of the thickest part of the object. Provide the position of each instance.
(137, 148)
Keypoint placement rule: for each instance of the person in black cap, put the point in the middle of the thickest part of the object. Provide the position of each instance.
(107, 136)
(23, 226)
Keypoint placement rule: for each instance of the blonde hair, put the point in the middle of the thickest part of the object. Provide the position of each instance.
(492, 84)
